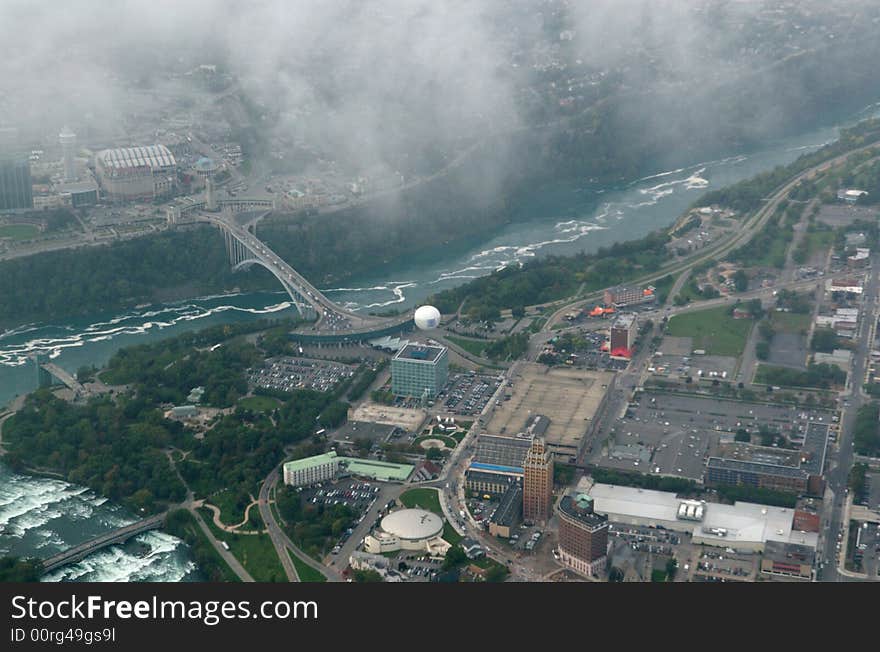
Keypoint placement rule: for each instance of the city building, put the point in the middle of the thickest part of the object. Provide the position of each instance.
(624, 330)
(16, 192)
(408, 529)
(79, 193)
(183, 412)
(583, 535)
(472, 548)
(502, 450)
(491, 479)
(537, 482)
(622, 296)
(847, 285)
(375, 469)
(850, 196)
(136, 173)
(205, 169)
(742, 526)
(418, 370)
(67, 139)
(309, 470)
(788, 560)
(860, 258)
(508, 514)
(762, 475)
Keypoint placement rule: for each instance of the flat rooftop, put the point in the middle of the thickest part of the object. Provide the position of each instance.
(746, 523)
(568, 397)
(376, 469)
(420, 353)
(763, 468)
(309, 462)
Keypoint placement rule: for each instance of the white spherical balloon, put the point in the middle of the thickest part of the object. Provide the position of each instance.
(427, 317)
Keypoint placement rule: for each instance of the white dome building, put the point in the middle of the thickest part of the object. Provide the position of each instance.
(427, 318)
(408, 529)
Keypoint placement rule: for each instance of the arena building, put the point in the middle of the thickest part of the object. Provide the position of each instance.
(408, 529)
(136, 173)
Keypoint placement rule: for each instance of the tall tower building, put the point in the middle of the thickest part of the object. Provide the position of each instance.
(68, 151)
(537, 482)
(16, 192)
(205, 169)
(583, 535)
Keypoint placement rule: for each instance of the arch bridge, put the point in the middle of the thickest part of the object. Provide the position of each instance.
(244, 249)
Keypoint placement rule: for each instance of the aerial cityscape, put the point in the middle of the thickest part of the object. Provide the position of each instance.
(497, 291)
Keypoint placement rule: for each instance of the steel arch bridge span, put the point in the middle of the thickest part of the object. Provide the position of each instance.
(241, 257)
(244, 249)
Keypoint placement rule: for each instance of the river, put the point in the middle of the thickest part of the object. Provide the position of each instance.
(40, 516)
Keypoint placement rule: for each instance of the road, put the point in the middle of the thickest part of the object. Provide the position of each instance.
(280, 540)
(273, 528)
(749, 228)
(833, 520)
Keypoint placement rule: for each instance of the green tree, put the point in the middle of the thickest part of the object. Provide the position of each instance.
(455, 557)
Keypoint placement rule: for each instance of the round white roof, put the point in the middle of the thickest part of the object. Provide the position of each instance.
(413, 524)
(427, 317)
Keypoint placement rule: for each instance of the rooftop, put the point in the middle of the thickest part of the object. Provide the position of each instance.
(376, 469)
(413, 524)
(721, 524)
(508, 510)
(496, 468)
(580, 508)
(420, 352)
(791, 552)
(755, 467)
(309, 462)
(153, 156)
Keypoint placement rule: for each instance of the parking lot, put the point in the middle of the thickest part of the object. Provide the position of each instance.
(716, 565)
(467, 394)
(356, 495)
(287, 374)
(674, 435)
(675, 359)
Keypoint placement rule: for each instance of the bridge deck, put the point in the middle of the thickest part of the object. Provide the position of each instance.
(64, 377)
(107, 539)
(333, 318)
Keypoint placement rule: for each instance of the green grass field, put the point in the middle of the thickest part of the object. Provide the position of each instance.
(424, 498)
(713, 330)
(790, 322)
(259, 403)
(19, 231)
(306, 573)
(225, 501)
(255, 551)
(474, 347)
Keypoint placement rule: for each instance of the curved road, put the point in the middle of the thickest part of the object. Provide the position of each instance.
(280, 540)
